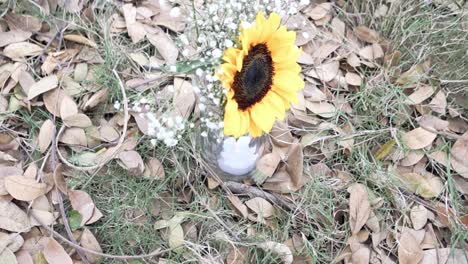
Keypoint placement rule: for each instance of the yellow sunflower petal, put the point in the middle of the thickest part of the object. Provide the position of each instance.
(288, 97)
(288, 81)
(239, 60)
(230, 55)
(262, 116)
(254, 130)
(236, 123)
(276, 104)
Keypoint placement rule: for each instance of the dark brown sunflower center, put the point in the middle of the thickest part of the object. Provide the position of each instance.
(254, 81)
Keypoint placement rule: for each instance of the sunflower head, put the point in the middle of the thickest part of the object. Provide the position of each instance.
(261, 77)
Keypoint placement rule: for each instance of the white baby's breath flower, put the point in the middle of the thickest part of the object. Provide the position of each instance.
(228, 43)
(217, 53)
(199, 72)
(173, 68)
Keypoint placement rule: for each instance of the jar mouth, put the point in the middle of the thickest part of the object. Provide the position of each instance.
(238, 157)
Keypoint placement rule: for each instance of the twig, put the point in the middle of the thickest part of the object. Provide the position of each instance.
(155, 253)
(53, 155)
(240, 188)
(115, 149)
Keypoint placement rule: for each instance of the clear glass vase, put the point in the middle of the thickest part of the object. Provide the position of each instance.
(226, 157)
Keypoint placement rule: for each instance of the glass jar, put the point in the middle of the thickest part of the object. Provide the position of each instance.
(226, 157)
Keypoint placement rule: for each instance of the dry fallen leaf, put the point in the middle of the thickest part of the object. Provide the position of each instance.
(366, 34)
(154, 169)
(12, 218)
(353, 79)
(54, 253)
(418, 138)
(24, 189)
(418, 216)
(80, 39)
(322, 109)
(268, 163)
(132, 161)
(165, 45)
(135, 29)
(17, 51)
(45, 84)
(319, 11)
(261, 207)
(82, 202)
(184, 97)
(427, 188)
(326, 71)
(278, 249)
(46, 134)
(90, 242)
(238, 205)
(68, 107)
(409, 251)
(421, 93)
(13, 36)
(359, 207)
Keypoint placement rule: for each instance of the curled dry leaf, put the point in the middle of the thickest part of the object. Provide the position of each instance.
(17, 51)
(326, 71)
(90, 242)
(82, 202)
(24, 189)
(12, 218)
(54, 253)
(359, 207)
(74, 136)
(154, 169)
(184, 97)
(95, 99)
(366, 34)
(238, 205)
(132, 161)
(46, 134)
(418, 216)
(261, 207)
(45, 84)
(322, 109)
(319, 11)
(418, 184)
(409, 251)
(13, 36)
(353, 79)
(278, 249)
(268, 163)
(418, 138)
(77, 120)
(421, 93)
(164, 44)
(80, 39)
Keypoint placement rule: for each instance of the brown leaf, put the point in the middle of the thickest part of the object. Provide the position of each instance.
(268, 163)
(12, 218)
(326, 71)
(438, 104)
(353, 60)
(23, 257)
(59, 180)
(411, 158)
(361, 256)
(154, 169)
(432, 123)
(359, 207)
(74, 136)
(238, 205)
(7, 257)
(278, 249)
(45, 84)
(132, 161)
(427, 188)
(165, 45)
(52, 100)
(95, 99)
(82, 202)
(413, 75)
(353, 79)
(77, 120)
(13, 242)
(421, 93)
(322, 109)
(366, 34)
(325, 50)
(80, 39)
(46, 134)
(184, 97)
(261, 207)
(319, 11)
(26, 23)
(19, 50)
(409, 251)
(13, 36)
(418, 138)
(460, 149)
(295, 166)
(237, 256)
(90, 242)
(68, 107)
(24, 189)
(418, 216)
(135, 29)
(55, 254)
(108, 133)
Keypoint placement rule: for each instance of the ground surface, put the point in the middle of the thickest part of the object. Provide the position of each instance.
(369, 167)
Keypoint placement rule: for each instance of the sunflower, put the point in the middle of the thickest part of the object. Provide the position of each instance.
(261, 77)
